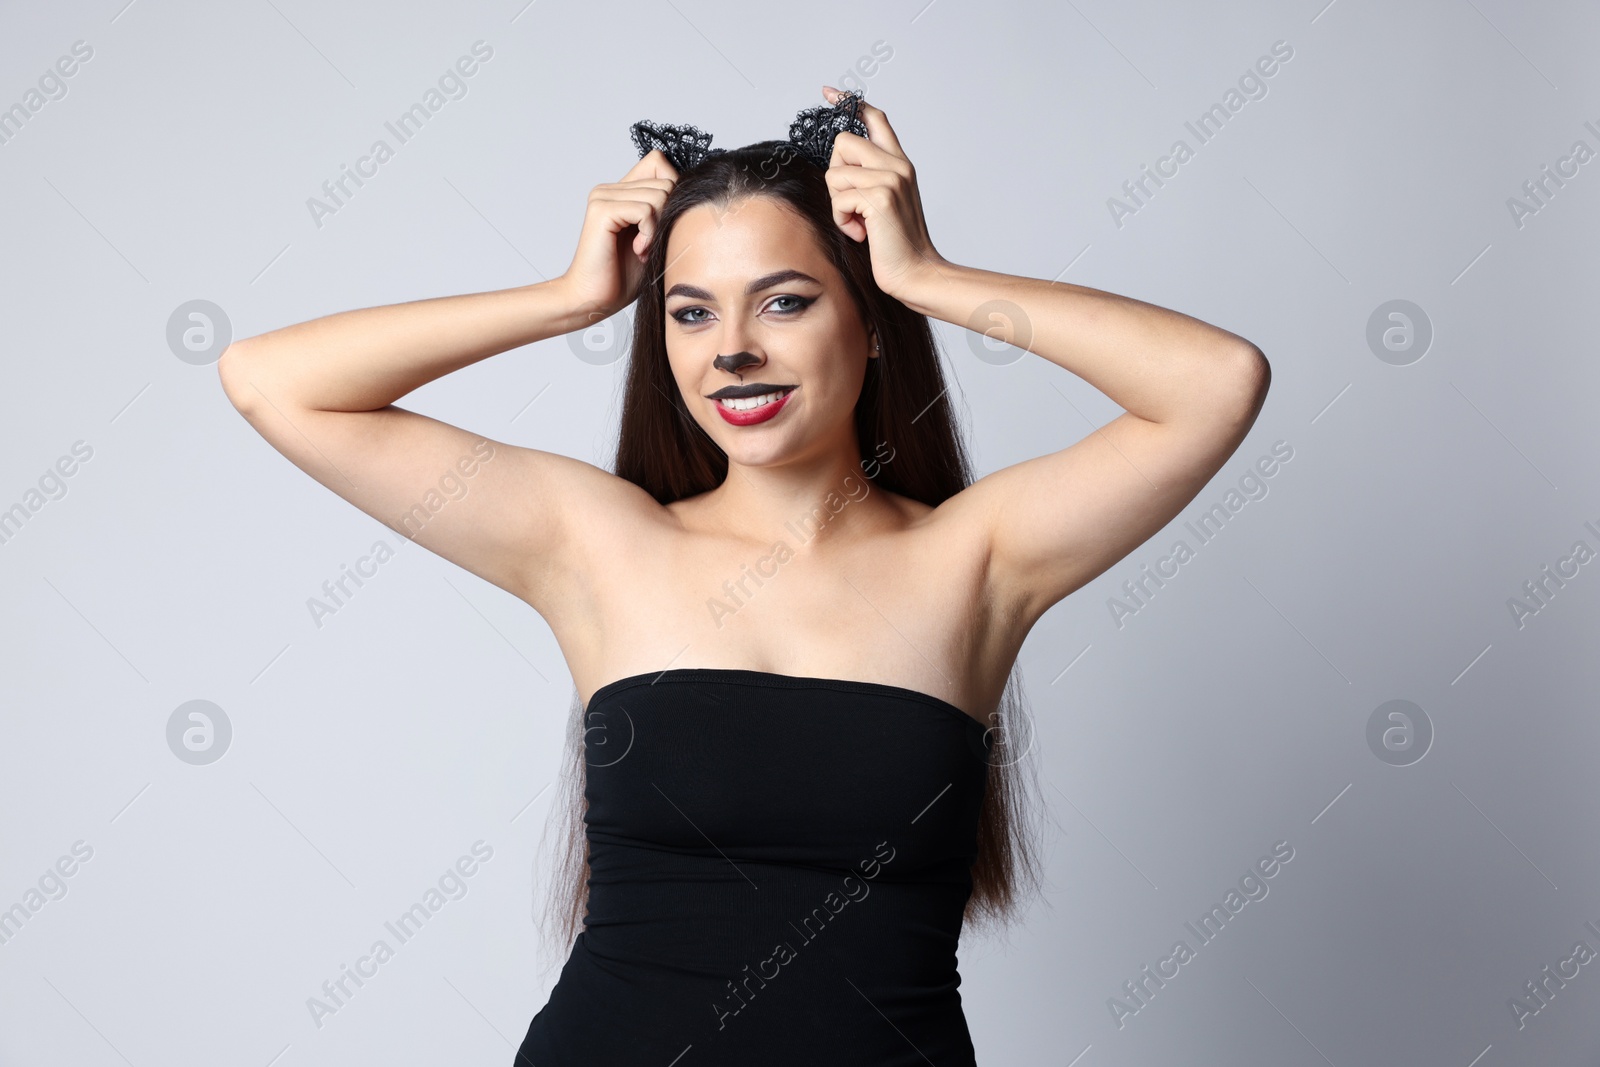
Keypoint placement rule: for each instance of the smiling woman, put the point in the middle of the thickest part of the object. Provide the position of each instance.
(763, 294)
(768, 367)
(871, 699)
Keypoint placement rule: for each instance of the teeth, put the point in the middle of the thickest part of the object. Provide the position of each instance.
(748, 403)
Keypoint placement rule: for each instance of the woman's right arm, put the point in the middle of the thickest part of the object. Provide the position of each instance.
(322, 393)
(365, 359)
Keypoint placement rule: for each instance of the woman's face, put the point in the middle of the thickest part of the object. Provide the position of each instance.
(749, 281)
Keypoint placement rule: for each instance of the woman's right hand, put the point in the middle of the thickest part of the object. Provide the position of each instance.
(618, 226)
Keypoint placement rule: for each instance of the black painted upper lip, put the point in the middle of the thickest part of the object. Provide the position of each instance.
(730, 392)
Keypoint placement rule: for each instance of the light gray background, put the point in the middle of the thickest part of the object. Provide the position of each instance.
(1230, 713)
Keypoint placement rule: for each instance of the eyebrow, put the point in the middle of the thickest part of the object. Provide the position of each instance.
(766, 281)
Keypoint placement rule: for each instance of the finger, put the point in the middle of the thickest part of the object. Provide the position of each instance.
(877, 123)
(850, 211)
(631, 191)
(871, 202)
(852, 150)
(654, 164)
(878, 128)
(860, 178)
(666, 185)
(620, 214)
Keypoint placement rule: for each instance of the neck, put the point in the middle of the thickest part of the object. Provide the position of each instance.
(806, 504)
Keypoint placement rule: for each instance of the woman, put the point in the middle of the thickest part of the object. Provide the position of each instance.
(788, 614)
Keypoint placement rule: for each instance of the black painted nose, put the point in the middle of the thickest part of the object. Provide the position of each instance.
(735, 362)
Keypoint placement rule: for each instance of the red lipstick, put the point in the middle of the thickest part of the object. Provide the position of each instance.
(754, 415)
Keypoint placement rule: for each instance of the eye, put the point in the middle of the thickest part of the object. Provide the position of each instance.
(681, 316)
(801, 303)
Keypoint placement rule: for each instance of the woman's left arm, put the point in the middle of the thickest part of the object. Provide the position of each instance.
(1190, 391)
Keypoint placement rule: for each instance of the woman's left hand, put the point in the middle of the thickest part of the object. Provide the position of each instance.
(874, 189)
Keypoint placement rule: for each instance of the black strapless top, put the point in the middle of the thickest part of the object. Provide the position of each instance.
(778, 870)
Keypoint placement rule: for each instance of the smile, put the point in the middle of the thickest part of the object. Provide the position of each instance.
(746, 411)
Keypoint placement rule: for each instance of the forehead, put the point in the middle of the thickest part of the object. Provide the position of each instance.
(711, 245)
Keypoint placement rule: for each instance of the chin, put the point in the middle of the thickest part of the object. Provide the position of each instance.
(751, 454)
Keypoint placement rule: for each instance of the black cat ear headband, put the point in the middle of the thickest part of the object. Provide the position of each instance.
(811, 134)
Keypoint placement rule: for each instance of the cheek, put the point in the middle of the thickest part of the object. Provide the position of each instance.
(682, 362)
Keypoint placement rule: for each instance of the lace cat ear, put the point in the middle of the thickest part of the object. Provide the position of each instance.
(814, 129)
(684, 146)
(812, 132)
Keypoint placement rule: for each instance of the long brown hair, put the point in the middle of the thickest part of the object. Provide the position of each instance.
(904, 402)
